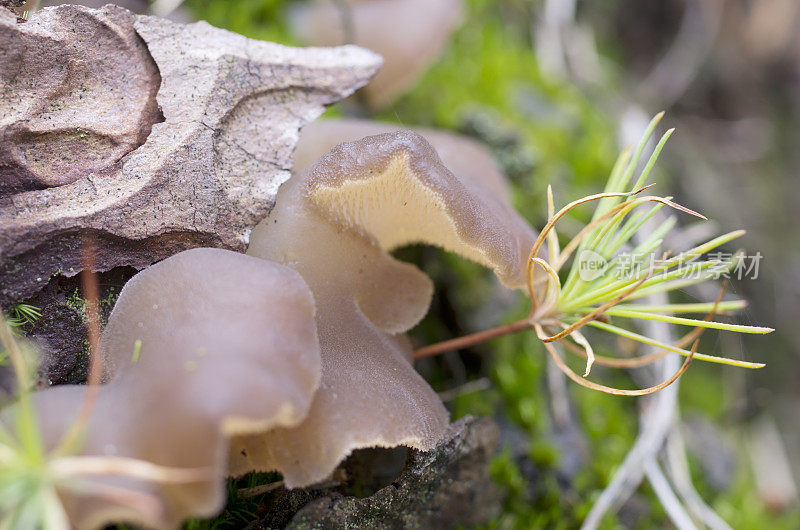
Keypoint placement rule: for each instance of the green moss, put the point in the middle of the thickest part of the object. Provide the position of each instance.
(74, 300)
(741, 508)
(238, 512)
(257, 19)
(702, 390)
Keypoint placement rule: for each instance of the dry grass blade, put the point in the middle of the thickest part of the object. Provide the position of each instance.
(537, 245)
(553, 286)
(622, 392)
(147, 505)
(255, 491)
(570, 247)
(88, 466)
(91, 292)
(611, 390)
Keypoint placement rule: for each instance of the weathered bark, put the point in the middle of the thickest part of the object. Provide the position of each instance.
(147, 135)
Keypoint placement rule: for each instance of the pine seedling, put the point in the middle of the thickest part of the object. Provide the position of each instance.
(608, 272)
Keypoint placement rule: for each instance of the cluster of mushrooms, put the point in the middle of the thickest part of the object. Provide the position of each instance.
(292, 356)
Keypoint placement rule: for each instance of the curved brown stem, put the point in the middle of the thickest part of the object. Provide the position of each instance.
(537, 245)
(472, 339)
(617, 391)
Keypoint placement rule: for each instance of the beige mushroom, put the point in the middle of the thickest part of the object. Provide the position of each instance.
(409, 34)
(203, 346)
(468, 159)
(335, 223)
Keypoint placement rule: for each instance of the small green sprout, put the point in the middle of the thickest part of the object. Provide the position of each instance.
(137, 351)
(20, 315)
(23, 314)
(607, 270)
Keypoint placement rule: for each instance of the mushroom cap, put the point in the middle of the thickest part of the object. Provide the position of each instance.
(357, 203)
(409, 34)
(370, 394)
(394, 189)
(468, 159)
(228, 346)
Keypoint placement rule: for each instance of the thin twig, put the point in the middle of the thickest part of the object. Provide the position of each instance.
(478, 385)
(669, 501)
(255, 491)
(471, 339)
(91, 294)
(678, 472)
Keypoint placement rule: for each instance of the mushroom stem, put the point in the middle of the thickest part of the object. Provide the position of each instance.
(472, 339)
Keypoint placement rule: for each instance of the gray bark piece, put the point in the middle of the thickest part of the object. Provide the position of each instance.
(449, 487)
(148, 135)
